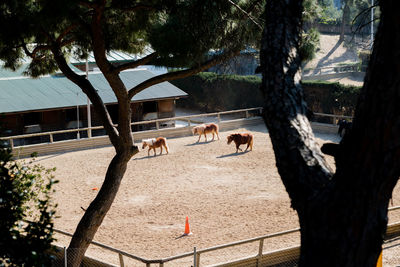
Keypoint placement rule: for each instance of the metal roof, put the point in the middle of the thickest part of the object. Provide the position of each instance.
(113, 56)
(21, 94)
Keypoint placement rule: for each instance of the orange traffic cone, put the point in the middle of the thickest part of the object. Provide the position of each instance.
(187, 229)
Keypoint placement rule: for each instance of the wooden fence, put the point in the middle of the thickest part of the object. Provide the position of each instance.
(227, 120)
(251, 116)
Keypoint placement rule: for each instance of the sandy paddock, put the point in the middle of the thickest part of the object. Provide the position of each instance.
(227, 197)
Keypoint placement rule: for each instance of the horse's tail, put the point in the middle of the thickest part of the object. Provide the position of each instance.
(251, 141)
(166, 145)
(216, 128)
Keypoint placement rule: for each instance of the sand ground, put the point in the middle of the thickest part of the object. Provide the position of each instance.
(227, 197)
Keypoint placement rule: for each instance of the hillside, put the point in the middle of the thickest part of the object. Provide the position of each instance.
(331, 54)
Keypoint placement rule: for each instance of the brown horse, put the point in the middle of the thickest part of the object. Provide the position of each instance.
(154, 143)
(205, 129)
(240, 139)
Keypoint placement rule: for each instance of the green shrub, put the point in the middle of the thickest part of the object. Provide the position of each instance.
(26, 212)
(209, 92)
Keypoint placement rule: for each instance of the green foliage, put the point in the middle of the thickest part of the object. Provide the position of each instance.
(309, 45)
(331, 97)
(210, 92)
(329, 13)
(26, 212)
(181, 32)
(311, 10)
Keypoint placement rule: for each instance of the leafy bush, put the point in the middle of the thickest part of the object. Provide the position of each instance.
(26, 212)
(209, 92)
(331, 97)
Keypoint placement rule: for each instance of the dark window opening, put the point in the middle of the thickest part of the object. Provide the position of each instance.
(71, 115)
(32, 118)
(150, 106)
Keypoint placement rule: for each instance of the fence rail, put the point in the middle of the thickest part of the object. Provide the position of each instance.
(275, 257)
(188, 119)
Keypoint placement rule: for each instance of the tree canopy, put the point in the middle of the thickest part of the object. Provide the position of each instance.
(180, 33)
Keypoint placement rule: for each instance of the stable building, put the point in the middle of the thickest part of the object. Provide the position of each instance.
(53, 102)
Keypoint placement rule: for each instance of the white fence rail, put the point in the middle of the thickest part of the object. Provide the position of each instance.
(227, 120)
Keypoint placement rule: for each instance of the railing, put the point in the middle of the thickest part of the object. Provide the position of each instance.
(392, 229)
(352, 67)
(189, 119)
(333, 116)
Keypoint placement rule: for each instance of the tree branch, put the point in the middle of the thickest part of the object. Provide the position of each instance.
(65, 32)
(136, 63)
(180, 74)
(90, 91)
(246, 14)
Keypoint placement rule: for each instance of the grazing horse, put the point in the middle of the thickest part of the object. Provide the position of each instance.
(153, 143)
(344, 126)
(205, 129)
(240, 139)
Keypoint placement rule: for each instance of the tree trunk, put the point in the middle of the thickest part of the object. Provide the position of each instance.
(343, 216)
(345, 16)
(97, 210)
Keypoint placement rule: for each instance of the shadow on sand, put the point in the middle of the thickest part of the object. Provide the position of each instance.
(201, 143)
(149, 157)
(233, 154)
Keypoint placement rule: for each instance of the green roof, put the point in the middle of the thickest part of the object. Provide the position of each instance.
(21, 93)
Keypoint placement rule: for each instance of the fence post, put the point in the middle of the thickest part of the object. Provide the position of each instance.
(194, 257)
(219, 118)
(12, 143)
(260, 252)
(157, 125)
(247, 114)
(65, 257)
(121, 260)
(51, 138)
(188, 120)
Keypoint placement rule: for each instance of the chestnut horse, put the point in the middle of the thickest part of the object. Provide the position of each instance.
(153, 143)
(205, 129)
(240, 139)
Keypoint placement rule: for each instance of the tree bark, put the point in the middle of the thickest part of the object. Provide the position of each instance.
(345, 15)
(342, 215)
(97, 209)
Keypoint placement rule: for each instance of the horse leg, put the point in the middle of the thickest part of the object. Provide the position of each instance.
(161, 150)
(213, 136)
(205, 136)
(148, 152)
(217, 134)
(199, 138)
(248, 144)
(238, 148)
(154, 148)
